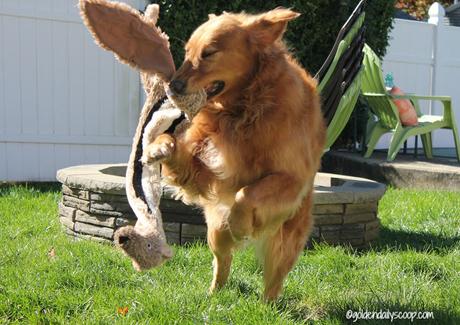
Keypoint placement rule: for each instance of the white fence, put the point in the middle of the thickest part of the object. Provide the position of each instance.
(425, 59)
(63, 100)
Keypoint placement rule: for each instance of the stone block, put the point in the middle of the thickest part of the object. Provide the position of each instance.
(373, 225)
(78, 193)
(352, 241)
(314, 232)
(171, 227)
(328, 219)
(111, 206)
(93, 230)
(352, 231)
(371, 234)
(103, 197)
(328, 209)
(95, 219)
(94, 238)
(194, 231)
(66, 222)
(361, 208)
(121, 222)
(330, 234)
(356, 218)
(77, 203)
(66, 212)
(172, 238)
(107, 213)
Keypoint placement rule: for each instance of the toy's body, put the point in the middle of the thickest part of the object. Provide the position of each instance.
(145, 243)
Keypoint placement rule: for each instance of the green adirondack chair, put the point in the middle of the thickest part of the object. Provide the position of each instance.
(382, 106)
(339, 78)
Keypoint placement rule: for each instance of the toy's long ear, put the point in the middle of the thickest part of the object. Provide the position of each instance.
(132, 37)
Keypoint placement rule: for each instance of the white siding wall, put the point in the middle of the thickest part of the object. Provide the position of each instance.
(63, 100)
(425, 59)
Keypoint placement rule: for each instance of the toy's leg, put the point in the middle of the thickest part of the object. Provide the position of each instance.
(281, 250)
(266, 203)
(221, 243)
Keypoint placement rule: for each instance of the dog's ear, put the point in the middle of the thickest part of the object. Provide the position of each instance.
(268, 27)
(132, 37)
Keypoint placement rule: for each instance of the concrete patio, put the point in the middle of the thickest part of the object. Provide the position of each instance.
(405, 171)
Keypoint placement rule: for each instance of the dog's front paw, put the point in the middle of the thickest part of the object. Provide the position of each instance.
(157, 151)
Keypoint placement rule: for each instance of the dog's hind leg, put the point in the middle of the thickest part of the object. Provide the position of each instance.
(221, 243)
(282, 249)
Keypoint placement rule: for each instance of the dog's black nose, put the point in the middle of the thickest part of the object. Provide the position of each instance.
(177, 86)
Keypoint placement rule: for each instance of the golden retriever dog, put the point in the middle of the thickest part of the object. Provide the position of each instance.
(251, 154)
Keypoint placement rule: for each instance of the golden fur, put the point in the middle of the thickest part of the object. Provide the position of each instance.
(250, 156)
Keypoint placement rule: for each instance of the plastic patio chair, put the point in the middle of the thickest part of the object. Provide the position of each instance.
(340, 76)
(382, 106)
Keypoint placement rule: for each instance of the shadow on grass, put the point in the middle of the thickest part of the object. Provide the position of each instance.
(294, 309)
(42, 187)
(405, 240)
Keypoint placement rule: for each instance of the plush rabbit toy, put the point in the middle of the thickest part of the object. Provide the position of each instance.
(136, 41)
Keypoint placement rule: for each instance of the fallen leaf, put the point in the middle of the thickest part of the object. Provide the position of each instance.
(122, 311)
(52, 253)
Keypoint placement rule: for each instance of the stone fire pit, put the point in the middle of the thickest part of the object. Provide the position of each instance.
(94, 205)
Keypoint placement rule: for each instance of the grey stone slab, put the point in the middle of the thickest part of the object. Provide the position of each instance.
(95, 219)
(359, 217)
(172, 238)
(355, 242)
(77, 203)
(66, 212)
(372, 234)
(332, 195)
(111, 206)
(314, 232)
(328, 209)
(366, 207)
(328, 219)
(78, 193)
(189, 240)
(107, 212)
(171, 227)
(373, 225)
(103, 197)
(94, 238)
(121, 222)
(93, 230)
(352, 231)
(189, 230)
(67, 223)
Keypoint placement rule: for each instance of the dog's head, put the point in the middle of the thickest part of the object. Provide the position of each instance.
(221, 54)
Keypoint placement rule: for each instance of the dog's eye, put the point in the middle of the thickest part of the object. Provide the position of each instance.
(208, 53)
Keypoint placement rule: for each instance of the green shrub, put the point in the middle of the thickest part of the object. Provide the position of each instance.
(310, 36)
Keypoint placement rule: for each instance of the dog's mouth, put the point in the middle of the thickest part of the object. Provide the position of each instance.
(214, 88)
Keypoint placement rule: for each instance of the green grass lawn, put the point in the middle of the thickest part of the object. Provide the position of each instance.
(415, 266)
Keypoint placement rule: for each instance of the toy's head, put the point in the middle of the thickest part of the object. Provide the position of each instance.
(145, 248)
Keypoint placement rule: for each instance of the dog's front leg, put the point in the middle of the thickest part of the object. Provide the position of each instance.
(266, 203)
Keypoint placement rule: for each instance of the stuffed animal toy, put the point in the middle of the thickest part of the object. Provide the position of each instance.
(136, 41)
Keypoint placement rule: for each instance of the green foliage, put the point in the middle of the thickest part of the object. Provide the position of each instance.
(412, 267)
(310, 36)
